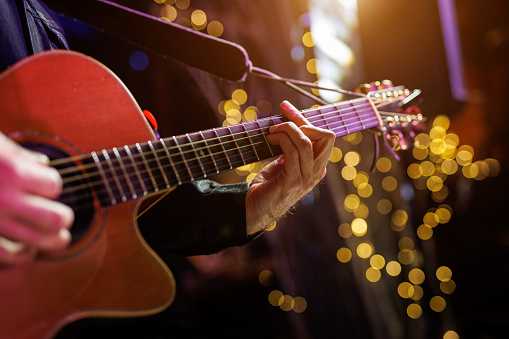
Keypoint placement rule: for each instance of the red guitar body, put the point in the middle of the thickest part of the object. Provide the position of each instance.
(73, 103)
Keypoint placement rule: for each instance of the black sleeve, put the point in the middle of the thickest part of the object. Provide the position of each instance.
(201, 217)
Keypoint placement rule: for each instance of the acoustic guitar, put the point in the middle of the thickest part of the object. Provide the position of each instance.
(76, 111)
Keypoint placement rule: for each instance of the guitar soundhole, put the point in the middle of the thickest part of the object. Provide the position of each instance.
(76, 193)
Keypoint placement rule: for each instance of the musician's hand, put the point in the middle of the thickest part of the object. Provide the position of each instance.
(29, 219)
(282, 183)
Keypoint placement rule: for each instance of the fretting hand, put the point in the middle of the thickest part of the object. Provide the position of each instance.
(285, 181)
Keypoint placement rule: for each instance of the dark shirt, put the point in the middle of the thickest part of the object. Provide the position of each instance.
(198, 218)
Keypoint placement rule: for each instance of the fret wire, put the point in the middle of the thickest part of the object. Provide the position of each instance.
(222, 146)
(114, 175)
(251, 142)
(196, 154)
(265, 137)
(136, 170)
(150, 174)
(172, 164)
(183, 158)
(124, 170)
(208, 149)
(104, 180)
(165, 178)
(236, 144)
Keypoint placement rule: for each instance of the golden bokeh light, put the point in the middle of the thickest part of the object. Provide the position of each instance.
(377, 261)
(418, 293)
(365, 190)
(275, 297)
(266, 277)
(399, 218)
(451, 335)
(360, 178)
(351, 202)
(444, 273)
(393, 268)
(168, 13)
(359, 227)
(414, 311)
(383, 165)
(406, 257)
(362, 211)
(364, 250)
(413, 171)
(420, 152)
(286, 303)
(448, 287)
(345, 230)
(416, 276)
(424, 232)
(307, 39)
(437, 304)
(182, 4)
(389, 183)
(336, 155)
(406, 243)
(239, 96)
(427, 168)
(434, 183)
(348, 172)
(300, 304)
(442, 121)
(352, 158)
(313, 66)
(198, 19)
(215, 29)
(373, 274)
(405, 290)
(423, 140)
(344, 254)
(354, 138)
(384, 206)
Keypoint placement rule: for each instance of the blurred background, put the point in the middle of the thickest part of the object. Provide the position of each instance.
(416, 248)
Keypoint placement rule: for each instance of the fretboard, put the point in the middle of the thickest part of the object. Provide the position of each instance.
(134, 171)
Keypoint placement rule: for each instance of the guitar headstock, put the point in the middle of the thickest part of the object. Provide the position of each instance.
(397, 106)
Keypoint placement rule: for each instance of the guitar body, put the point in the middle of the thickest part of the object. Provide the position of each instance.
(66, 101)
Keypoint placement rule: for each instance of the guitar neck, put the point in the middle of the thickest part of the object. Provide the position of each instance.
(134, 171)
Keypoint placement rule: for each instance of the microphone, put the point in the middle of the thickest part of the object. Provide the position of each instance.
(220, 57)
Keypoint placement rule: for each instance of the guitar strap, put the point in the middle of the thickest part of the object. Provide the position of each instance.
(190, 47)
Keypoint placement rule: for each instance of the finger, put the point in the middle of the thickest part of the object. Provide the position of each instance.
(302, 146)
(293, 114)
(46, 215)
(18, 231)
(323, 142)
(12, 253)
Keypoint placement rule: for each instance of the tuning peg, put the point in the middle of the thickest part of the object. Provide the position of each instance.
(387, 84)
(364, 89)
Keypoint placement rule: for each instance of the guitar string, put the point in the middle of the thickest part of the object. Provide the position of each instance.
(75, 158)
(125, 198)
(345, 118)
(207, 157)
(206, 160)
(366, 104)
(87, 193)
(211, 155)
(193, 150)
